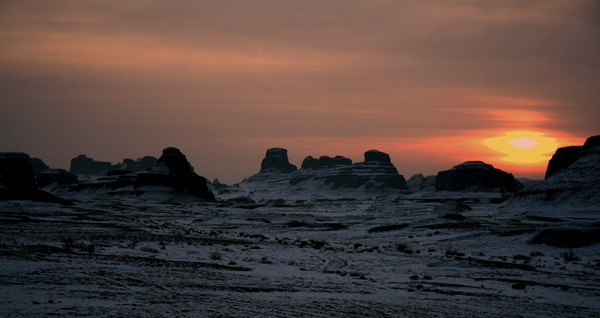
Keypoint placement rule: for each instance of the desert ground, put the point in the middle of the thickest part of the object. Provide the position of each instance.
(455, 255)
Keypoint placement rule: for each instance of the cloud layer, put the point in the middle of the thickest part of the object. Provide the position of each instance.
(225, 80)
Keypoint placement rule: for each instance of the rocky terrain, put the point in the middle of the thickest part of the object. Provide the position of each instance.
(331, 239)
(169, 176)
(324, 178)
(415, 257)
(476, 176)
(571, 184)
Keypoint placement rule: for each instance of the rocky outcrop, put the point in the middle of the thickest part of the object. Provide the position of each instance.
(323, 178)
(146, 163)
(173, 170)
(60, 177)
(173, 161)
(169, 177)
(566, 156)
(376, 171)
(38, 166)
(130, 165)
(16, 171)
(377, 156)
(17, 179)
(84, 165)
(572, 181)
(276, 160)
(476, 176)
(325, 162)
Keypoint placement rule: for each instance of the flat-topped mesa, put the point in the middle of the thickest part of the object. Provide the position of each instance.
(84, 165)
(276, 160)
(378, 168)
(378, 156)
(325, 162)
(376, 172)
(323, 178)
(476, 176)
(566, 156)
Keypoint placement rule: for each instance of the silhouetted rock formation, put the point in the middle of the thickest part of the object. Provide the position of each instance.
(17, 179)
(146, 163)
(174, 161)
(16, 171)
(130, 165)
(376, 171)
(276, 159)
(566, 156)
(59, 177)
(476, 176)
(173, 170)
(377, 156)
(38, 165)
(325, 162)
(169, 177)
(572, 181)
(84, 165)
(323, 178)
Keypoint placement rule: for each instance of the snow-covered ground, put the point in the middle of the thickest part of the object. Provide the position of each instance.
(409, 256)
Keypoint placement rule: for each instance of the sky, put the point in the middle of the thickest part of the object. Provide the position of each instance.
(431, 83)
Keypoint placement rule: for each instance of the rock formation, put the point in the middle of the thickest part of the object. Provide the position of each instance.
(325, 162)
(169, 177)
(376, 171)
(572, 180)
(146, 163)
(84, 165)
(323, 178)
(17, 179)
(38, 165)
(566, 156)
(377, 156)
(16, 171)
(420, 183)
(60, 177)
(414, 182)
(173, 170)
(173, 161)
(276, 160)
(476, 176)
(130, 165)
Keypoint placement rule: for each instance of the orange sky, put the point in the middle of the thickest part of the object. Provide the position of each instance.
(426, 82)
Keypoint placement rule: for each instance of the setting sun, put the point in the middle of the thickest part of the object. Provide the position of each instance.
(524, 143)
(523, 146)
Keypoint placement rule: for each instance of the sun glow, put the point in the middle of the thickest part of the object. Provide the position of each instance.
(523, 146)
(524, 143)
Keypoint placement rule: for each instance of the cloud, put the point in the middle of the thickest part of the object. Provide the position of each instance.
(221, 72)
